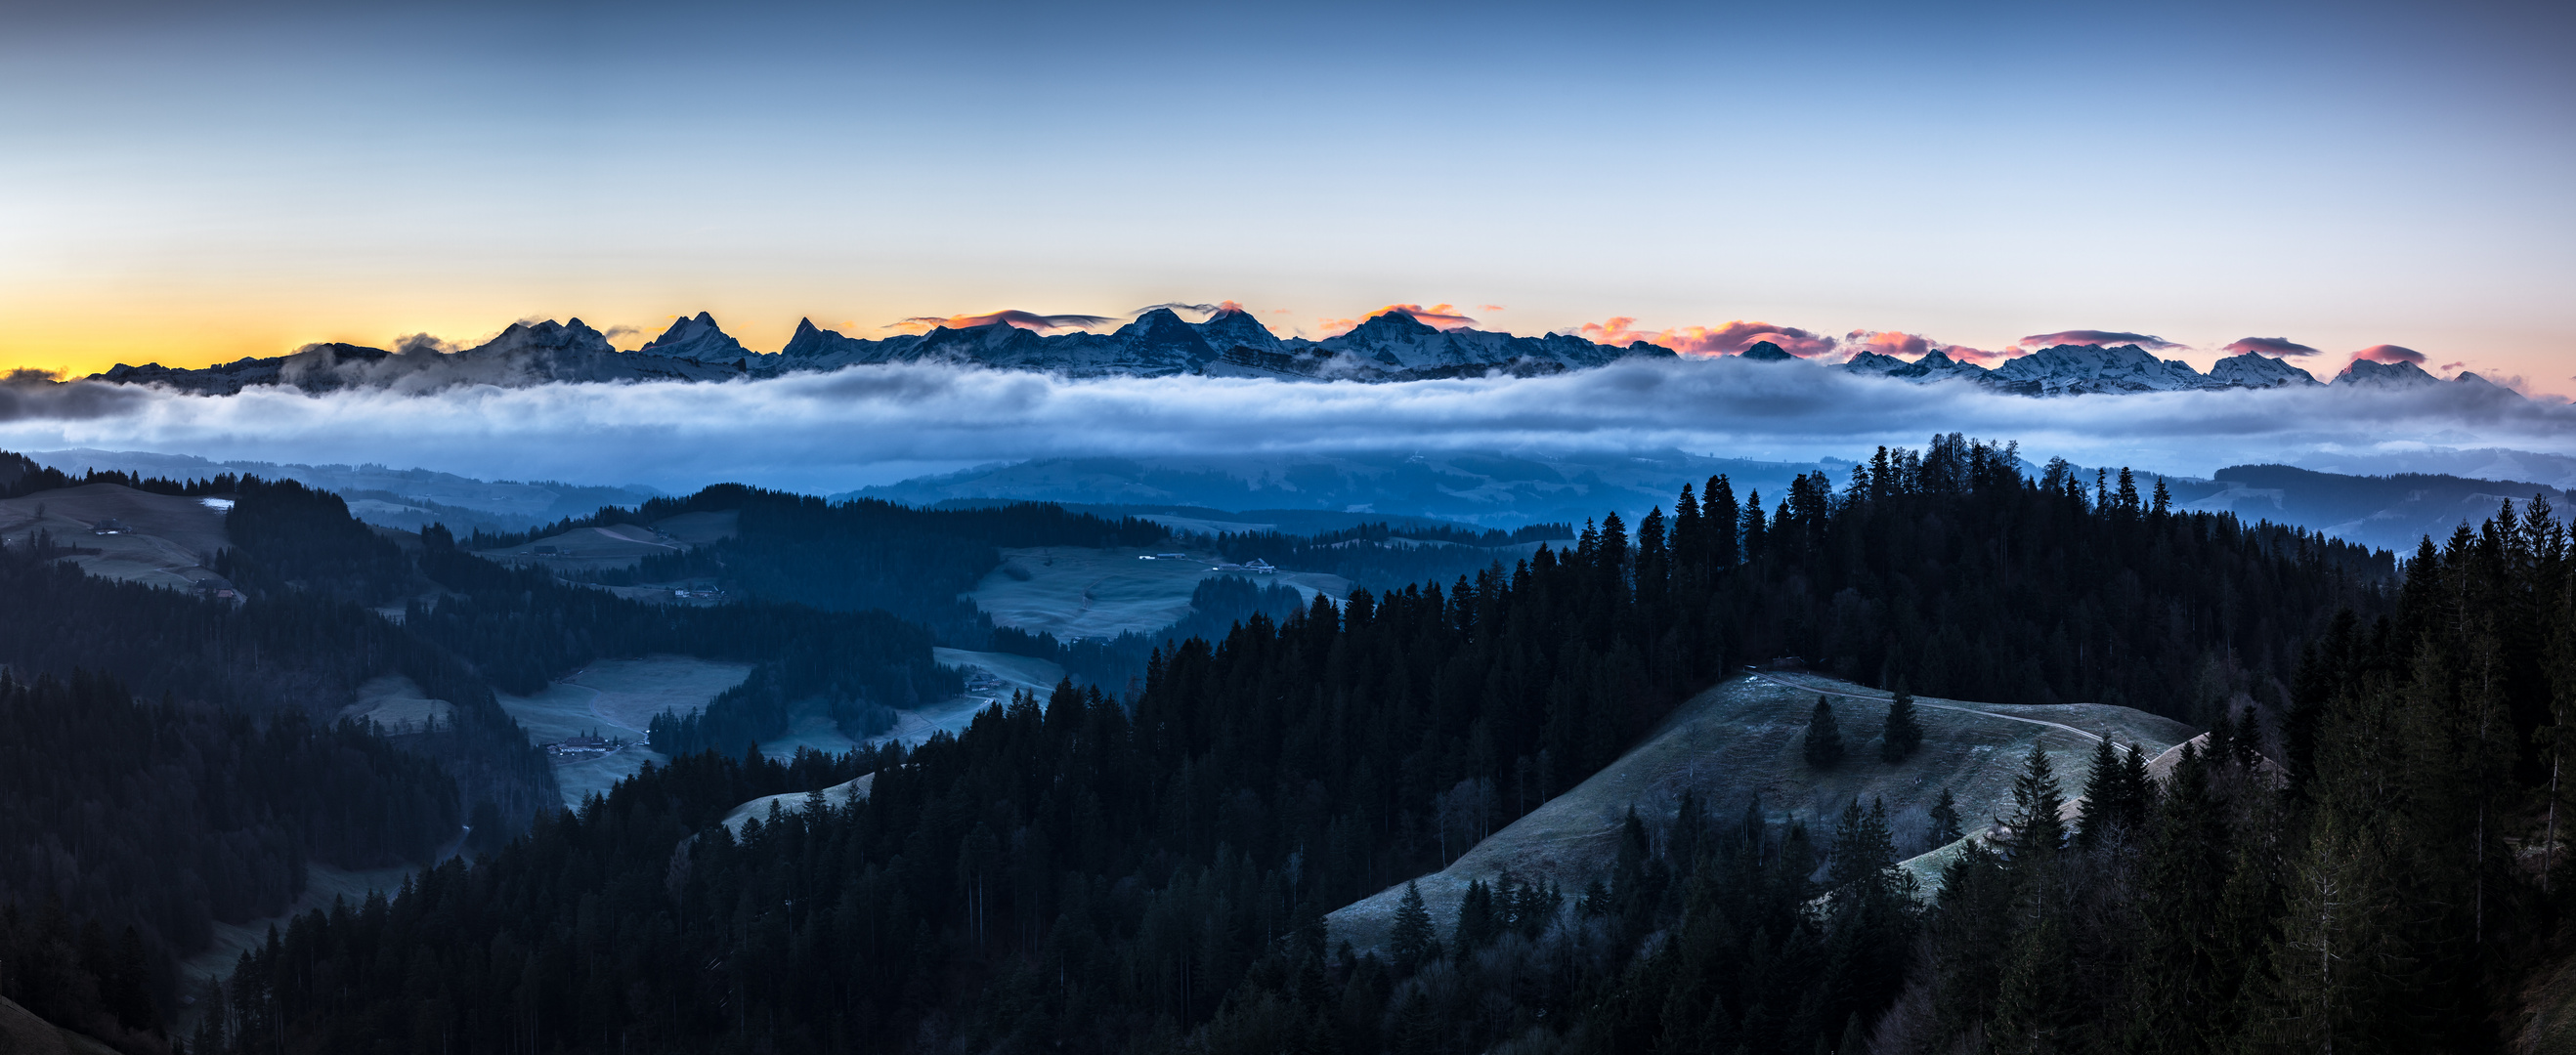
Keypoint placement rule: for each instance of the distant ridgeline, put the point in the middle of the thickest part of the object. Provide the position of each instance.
(1390, 346)
(1089, 873)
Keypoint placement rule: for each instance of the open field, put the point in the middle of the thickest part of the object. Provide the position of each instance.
(618, 545)
(397, 703)
(616, 698)
(1014, 672)
(1101, 593)
(167, 537)
(1744, 739)
(838, 794)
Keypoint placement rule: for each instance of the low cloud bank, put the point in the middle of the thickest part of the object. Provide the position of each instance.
(877, 424)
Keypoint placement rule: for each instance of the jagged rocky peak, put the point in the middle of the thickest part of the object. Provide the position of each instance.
(1232, 327)
(548, 336)
(2253, 370)
(696, 338)
(2372, 373)
(2080, 369)
(1391, 325)
(1160, 325)
(1766, 352)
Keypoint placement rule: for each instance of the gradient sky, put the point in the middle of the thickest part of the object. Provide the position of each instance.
(188, 184)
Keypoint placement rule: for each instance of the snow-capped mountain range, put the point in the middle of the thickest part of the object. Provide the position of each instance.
(1392, 346)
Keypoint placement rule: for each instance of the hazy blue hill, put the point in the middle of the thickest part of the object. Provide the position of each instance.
(2392, 512)
(1484, 489)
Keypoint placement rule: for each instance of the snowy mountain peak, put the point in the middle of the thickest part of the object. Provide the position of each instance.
(2252, 370)
(1232, 328)
(1766, 352)
(2371, 373)
(697, 338)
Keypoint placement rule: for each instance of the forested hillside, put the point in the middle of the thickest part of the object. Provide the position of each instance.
(855, 554)
(150, 821)
(1379, 556)
(165, 817)
(1094, 874)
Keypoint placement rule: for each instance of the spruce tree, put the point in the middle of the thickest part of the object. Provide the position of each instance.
(1477, 923)
(2137, 789)
(1945, 820)
(1412, 941)
(2036, 800)
(1904, 734)
(1824, 741)
(2104, 804)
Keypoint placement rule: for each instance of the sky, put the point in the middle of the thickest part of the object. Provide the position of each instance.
(193, 183)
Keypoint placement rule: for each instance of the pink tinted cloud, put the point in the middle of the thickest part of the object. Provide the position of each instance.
(1489, 307)
(1729, 339)
(2276, 347)
(2147, 341)
(1437, 316)
(1026, 320)
(2389, 353)
(1904, 345)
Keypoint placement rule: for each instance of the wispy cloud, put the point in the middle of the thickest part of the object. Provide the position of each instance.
(1194, 309)
(875, 424)
(2276, 347)
(2389, 353)
(2147, 341)
(1437, 316)
(1026, 320)
(1728, 339)
(1915, 346)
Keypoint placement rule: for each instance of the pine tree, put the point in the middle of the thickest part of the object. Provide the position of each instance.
(2137, 790)
(1904, 734)
(1824, 741)
(1477, 923)
(1756, 534)
(2036, 828)
(2104, 798)
(1945, 820)
(1412, 941)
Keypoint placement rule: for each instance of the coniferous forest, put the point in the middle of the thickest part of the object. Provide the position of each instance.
(2362, 853)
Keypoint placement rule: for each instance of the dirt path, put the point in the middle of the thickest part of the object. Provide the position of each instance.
(1793, 682)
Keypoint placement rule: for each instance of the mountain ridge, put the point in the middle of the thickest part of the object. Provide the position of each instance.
(1388, 347)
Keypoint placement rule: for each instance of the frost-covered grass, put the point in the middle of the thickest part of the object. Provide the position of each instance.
(617, 698)
(1743, 741)
(1077, 593)
(167, 537)
(397, 703)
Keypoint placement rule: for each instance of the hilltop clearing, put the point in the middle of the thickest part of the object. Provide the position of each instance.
(158, 540)
(837, 795)
(615, 699)
(1077, 593)
(398, 706)
(1741, 742)
(618, 545)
